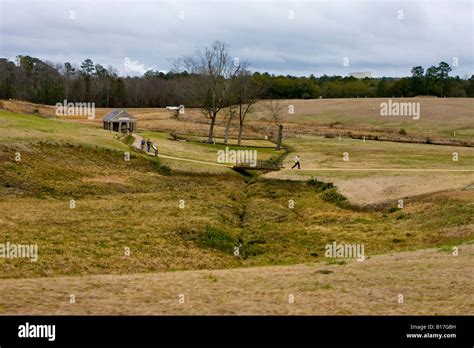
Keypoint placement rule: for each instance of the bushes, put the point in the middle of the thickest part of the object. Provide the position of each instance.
(213, 238)
(161, 168)
(128, 139)
(393, 209)
(216, 239)
(252, 248)
(331, 195)
(328, 189)
(320, 185)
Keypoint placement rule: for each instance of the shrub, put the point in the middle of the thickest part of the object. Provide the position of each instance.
(447, 248)
(161, 168)
(402, 131)
(129, 139)
(251, 248)
(164, 170)
(320, 185)
(402, 216)
(216, 239)
(331, 195)
(393, 209)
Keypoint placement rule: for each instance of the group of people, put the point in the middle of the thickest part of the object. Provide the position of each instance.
(148, 144)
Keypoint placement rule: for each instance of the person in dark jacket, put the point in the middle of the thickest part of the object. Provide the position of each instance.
(148, 144)
(142, 144)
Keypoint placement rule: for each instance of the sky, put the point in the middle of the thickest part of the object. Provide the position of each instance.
(299, 37)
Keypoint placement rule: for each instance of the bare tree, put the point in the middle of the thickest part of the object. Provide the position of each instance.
(275, 109)
(228, 121)
(245, 92)
(211, 69)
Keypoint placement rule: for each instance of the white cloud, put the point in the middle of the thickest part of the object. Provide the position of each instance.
(133, 67)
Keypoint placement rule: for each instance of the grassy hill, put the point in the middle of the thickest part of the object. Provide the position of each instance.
(135, 205)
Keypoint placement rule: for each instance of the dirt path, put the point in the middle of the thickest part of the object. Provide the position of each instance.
(432, 282)
(441, 170)
(138, 139)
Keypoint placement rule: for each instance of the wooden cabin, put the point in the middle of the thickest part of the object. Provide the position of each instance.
(120, 121)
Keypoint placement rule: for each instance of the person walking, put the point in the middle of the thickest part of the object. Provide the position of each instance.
(148, 144)
(142, 144)
(297, 162)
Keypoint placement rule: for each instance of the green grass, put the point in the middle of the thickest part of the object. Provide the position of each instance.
(197, 150)
(28, 128)
(328, 153)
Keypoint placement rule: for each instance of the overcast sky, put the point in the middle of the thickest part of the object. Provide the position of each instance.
(282, 37)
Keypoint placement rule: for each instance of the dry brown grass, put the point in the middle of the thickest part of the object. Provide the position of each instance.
(432, 282)
(379, 172)
(132, 204)
(440, 117)
(384, 187)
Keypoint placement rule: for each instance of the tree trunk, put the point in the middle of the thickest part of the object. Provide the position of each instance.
(280, 136)
(210, 138)
(67, 87)
(241, 127)
(227, 127)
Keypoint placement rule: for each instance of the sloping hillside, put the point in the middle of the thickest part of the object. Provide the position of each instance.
(432, 282)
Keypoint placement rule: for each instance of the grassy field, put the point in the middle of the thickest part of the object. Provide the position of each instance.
(379, 172)
(173, 215)
(369, 288)
(135, 204)
(198, 150)
(444, 118)
(439, 117)
(21, 128)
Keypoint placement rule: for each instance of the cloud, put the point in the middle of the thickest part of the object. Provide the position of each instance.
(315, 41)
(133, 67)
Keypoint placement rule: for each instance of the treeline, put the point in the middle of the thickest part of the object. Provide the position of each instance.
(43, 82)
(434, 82)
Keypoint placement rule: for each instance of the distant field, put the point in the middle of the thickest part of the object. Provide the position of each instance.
(438, 116)
(449, 118)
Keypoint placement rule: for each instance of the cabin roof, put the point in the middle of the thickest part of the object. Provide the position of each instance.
(118, 115)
